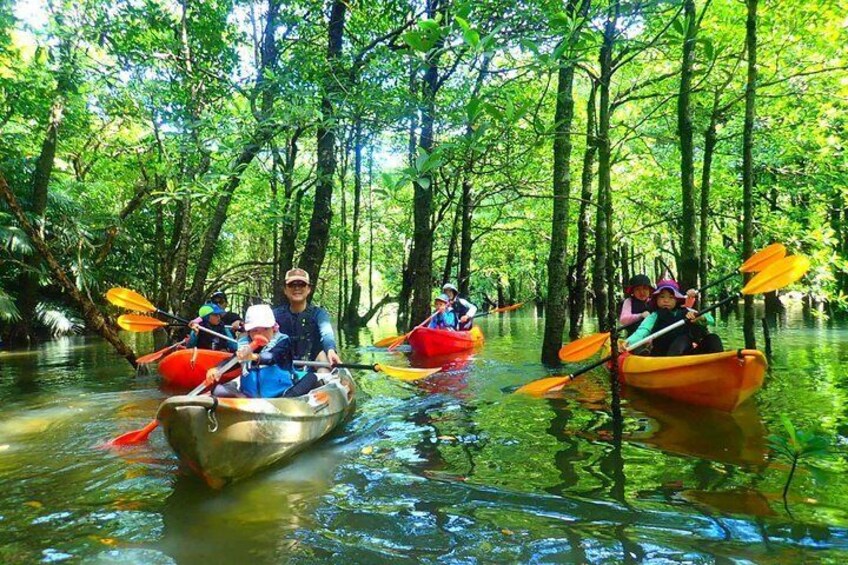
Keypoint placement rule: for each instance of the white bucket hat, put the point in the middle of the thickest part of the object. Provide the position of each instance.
(259, 316)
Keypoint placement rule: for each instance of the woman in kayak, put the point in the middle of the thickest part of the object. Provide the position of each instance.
(270, 373)
(689, 339)
(444, 318)
(462, 308)
(210, 318)
(637, 306)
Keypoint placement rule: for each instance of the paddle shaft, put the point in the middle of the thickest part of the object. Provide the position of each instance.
(322, 364)
(402, 338)
(642, 342)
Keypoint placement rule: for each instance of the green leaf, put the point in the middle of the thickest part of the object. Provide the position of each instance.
(424, 182)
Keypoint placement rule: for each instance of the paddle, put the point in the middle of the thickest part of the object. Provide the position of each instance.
(138, 323)
(140, 436)
(391, 339)
(402, 373)
(777, 275)
(585, 347)
(402, 338)
(156, 355)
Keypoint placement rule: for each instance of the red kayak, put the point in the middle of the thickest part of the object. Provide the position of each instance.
(187, 368)
(431, 342)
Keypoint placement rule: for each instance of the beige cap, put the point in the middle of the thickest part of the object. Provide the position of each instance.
(297, 274)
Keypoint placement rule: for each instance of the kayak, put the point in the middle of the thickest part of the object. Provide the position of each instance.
(430, 342)
(187, 368)
(716, 380)
(226, 439)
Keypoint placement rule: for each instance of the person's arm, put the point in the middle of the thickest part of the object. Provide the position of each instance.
(472, 310)
(192, 339)
(325, 330)
(627, 316)
(280, 354)
(704, 319)
(644, 329)
(434, 321)
(231, 344)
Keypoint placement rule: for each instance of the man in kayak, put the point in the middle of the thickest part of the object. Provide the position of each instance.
(462, 308)
(307, 325)
(230, 319)
(691, 338)
(270, 372)
(210, 317)
(444, 318)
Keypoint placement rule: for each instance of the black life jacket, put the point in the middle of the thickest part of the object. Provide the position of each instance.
(208, 341)
(636, 307)
(459, 308)
(665, 318)
(302, 329)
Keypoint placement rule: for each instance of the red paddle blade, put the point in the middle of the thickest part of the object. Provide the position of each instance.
(134, 437)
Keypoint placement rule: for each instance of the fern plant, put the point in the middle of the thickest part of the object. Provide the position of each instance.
(797, 447)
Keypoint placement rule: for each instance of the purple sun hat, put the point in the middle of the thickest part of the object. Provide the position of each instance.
(670, 284)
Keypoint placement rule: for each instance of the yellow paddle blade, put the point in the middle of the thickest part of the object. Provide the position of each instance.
(582, 348)
(540, 387)
(137, 323)
(386, 341)
(763, 258)
(406, 373)
(129, 299)
(777, 275)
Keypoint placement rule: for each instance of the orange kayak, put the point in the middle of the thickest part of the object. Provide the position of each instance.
(187, 368)
(430, 342)
(717, 380)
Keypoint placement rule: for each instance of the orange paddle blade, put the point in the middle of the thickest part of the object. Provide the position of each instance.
(138, 323)
(540, 387)
(763, 258)
(136, 436)
(506, 308)
(583, 348)
(386, 341)
(406, 373)
(399, 341)
(129, 299)
(777, 275)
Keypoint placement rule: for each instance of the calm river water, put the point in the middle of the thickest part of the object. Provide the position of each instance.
(451, 470)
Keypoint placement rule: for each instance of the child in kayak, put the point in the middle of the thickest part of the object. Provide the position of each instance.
(637, 306)
(462, 308)
(210, 318)
(689, 339)
(270, 373)
(444, 318)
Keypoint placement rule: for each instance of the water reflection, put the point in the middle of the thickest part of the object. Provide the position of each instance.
(449, 469)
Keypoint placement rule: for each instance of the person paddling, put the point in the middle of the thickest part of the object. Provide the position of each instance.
(230, 319)
(636, 307)
(210, 317)
(307, 325)
(688, 339)
(444, 318)
(269, 373)
(462, 308)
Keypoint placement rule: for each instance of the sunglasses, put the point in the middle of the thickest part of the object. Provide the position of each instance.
(297, 284)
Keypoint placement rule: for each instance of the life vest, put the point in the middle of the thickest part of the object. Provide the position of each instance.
(636, 307)
(665, 318)
(206, 340)
(302, 329)
(269, 381)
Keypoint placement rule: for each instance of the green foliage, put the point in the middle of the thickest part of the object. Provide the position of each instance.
(798, 447)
